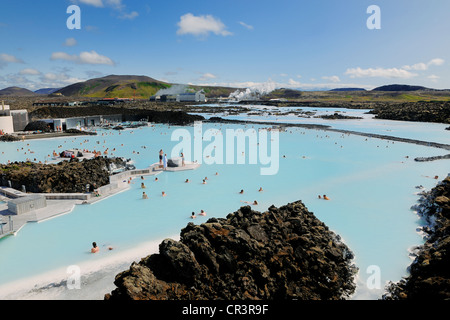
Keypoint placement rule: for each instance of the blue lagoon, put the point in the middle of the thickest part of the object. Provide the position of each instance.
(371, 184)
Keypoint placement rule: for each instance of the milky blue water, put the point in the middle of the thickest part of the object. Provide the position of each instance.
(424, 131)
(371, 184)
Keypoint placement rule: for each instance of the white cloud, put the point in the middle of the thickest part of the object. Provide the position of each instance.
(421, 66)
(379, 72)
(30, 72)
(70, 42)
(434, 77)
(332, 78)
(249, 27)
(291, 84)
(129, 16)
(201, 25)
(294, 83)
(207, 76)
(63, 56)
(95, 3)
(7, 58)
(83, 58)
(94, 58)
(57, 79)
(114, 4)
(436, 62)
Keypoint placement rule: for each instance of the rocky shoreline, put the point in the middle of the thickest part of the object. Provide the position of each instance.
(420, 111)
(283, 253)
(429, 277)
(128, 114)
(65, 177)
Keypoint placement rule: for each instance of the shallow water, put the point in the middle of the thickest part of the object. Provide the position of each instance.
(424, 131)
(371, 184)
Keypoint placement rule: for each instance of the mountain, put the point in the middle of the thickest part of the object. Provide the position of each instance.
(400, 87)
(115, 86)
(46, 90)
(130, 86)
(283, 94)
(348, 89)
(16, 91)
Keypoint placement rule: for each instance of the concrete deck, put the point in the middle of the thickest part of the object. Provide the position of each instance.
(60, 203)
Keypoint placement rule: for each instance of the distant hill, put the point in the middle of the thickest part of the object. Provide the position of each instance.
(16, 91)
(283, 94)
(47, 90)
(130, 86)
(115, 86)
(400, 87)
(348, 89)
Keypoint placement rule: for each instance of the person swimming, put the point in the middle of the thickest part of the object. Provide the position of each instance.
(187, 181)
(163, 194)
(142, 185)
(144, 195)
(255, 203)
(260, 189)
(95, 249)
(202, 213)
(242, 191)
(193, 215)
(325, 197)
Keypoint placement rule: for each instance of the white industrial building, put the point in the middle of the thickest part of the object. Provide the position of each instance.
(12, 120)
(198, 96)
(6, 120)
(83, 122)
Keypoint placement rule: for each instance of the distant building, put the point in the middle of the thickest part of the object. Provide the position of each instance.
(198, 96)
(108, 101)
(168, 98)
(83, 122)
(12, 120)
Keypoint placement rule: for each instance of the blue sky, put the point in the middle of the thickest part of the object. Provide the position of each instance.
(241, 43)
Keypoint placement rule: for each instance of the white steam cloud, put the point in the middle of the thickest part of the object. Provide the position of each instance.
(173, 90)
(254, 92)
